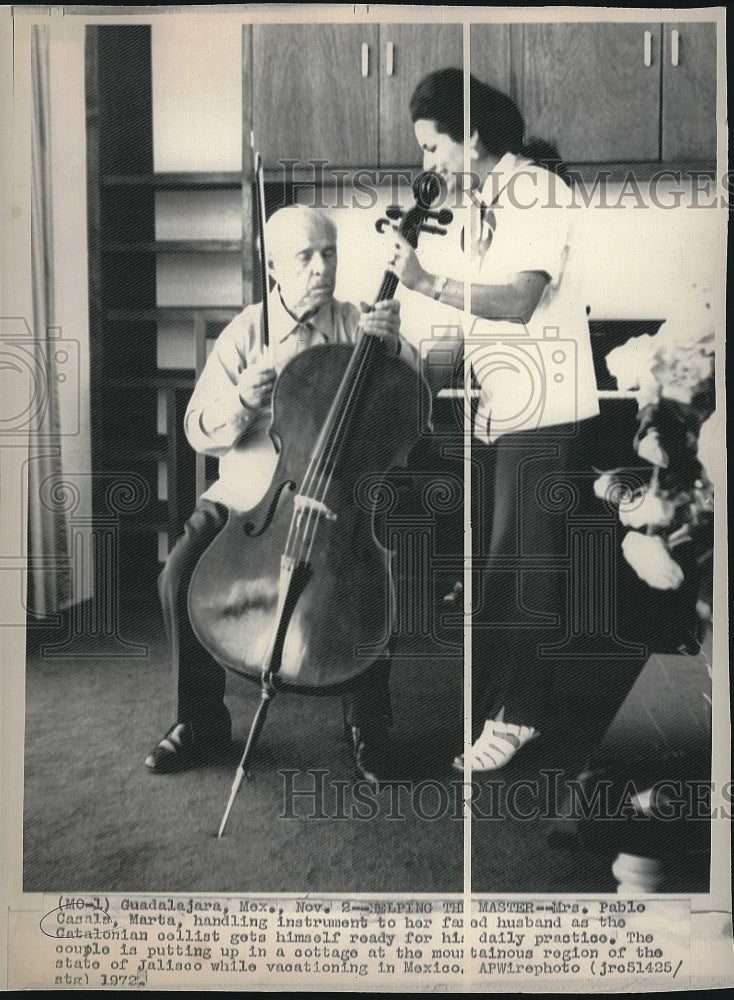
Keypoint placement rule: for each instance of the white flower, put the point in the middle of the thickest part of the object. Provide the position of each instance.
(681, 372)
(649, 558)
(649, 449)
(646, 508)
(630, 363)
(603, 486)
(691, 329)
(675, 361)
(710, 446)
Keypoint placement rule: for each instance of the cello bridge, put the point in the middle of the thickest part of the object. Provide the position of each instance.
(302, 503)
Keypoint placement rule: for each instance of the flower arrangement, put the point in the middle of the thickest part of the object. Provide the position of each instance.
(668, 500)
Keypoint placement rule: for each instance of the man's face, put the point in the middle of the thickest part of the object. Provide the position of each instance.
(440, 153)
(303, 264)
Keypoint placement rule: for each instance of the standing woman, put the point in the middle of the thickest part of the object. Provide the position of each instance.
(527, 337)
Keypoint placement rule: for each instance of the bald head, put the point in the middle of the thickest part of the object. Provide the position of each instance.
(301, 248)
(283, 224)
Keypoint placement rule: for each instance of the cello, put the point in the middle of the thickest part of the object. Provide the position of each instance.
(297, 592)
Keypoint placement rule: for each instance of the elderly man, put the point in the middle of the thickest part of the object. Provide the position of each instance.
(228, 417)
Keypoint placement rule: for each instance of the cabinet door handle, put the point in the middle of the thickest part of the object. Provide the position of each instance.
(365, 59)
(674, 47)
(648, 48)
(389, 59)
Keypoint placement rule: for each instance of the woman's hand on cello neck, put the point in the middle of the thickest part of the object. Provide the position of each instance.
(403, 261)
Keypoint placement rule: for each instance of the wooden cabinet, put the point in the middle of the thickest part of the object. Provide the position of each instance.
(689, 91)
(314, 93)
(490, 55)
(407, 53)
(593, 89)
(340, 93)
(610, 93)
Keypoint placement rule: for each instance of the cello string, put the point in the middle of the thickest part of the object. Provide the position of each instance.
(342, 410)
(299, 532)
(312, 487)
(323, 453)
(321, 479)
(320, 469)
(319, 473)
(353, 383)
(387, 288)
(330, 443)
(329, 446)
(321, 448)
(363, 361)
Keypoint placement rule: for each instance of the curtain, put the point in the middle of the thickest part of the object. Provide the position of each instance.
(49, 575)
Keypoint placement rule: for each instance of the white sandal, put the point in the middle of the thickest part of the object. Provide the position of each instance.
(497, 745)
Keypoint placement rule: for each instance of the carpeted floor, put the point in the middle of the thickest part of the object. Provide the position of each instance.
(96, 820)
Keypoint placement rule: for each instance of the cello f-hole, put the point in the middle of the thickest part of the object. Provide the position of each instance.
(249, 528)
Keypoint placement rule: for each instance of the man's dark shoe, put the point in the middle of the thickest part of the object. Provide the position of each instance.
(370, 746)
(188, 744)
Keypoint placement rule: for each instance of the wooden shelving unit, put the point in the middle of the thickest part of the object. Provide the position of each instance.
(176, 246)
(174, 181)
(137, 406)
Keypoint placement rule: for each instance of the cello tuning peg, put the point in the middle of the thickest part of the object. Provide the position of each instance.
(436, 230)
(393, 213)
(442, 217)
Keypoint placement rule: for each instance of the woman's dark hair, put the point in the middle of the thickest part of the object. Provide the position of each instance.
(439, 97)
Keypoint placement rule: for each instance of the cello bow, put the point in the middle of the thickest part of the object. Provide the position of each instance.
(262, 262)
(312, 506)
